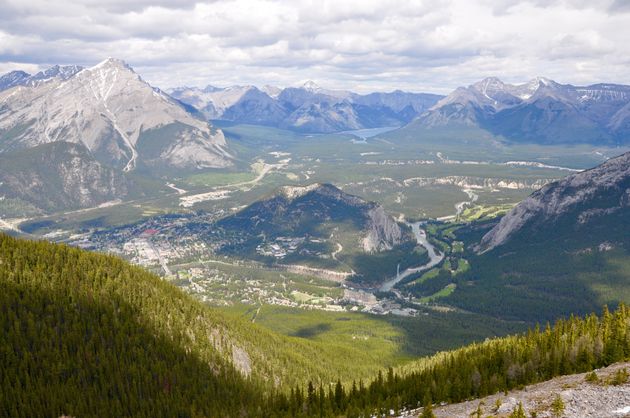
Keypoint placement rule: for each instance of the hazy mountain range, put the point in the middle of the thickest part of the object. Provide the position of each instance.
(541, 110)
(119, 124)
(308, 108)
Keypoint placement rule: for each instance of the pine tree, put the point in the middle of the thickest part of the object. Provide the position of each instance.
(557, 406)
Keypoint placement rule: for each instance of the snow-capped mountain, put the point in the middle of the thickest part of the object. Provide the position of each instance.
(123, 121)
(306, 108)
(540, 110)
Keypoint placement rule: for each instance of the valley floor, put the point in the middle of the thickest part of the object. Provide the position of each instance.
(581, 399)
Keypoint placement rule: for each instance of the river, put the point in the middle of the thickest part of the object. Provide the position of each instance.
(434, 258)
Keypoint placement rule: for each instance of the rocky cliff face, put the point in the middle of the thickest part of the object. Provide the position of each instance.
(576, 202)
(383, 232)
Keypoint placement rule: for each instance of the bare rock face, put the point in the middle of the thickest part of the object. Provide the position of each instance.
(110, 110)
(579, 199)
(383, 232)
(581, 399)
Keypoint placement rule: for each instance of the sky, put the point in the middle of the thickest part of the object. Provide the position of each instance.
(359, 45)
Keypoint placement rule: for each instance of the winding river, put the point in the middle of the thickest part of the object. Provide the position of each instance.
(434, 258)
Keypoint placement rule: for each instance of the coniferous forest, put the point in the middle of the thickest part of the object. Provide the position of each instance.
(86, 334)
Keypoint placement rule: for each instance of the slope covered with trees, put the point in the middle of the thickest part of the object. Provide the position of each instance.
(571, 346)
(85, 334)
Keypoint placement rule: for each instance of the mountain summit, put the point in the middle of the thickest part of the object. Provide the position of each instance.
(109, 109)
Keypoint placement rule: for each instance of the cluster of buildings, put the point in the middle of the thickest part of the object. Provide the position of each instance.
(280, 247)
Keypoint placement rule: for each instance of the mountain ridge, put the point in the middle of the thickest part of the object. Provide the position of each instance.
(540, 110)
(579, 200)
(107, 108)
(308, 108)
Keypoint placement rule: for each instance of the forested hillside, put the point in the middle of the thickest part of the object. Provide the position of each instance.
(572, 345)
(132, 345)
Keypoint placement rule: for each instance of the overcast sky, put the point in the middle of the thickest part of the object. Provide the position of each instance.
(362, 45)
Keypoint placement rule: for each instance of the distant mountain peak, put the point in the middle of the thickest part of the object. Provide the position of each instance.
(63, 72)
(112, 63)
(12, 79)
(542, 81)
(310, 85)
(493, 83)
(211, 89)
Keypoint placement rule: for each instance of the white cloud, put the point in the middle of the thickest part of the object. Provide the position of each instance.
(416, 45)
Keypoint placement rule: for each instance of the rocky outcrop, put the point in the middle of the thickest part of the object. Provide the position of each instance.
(581, 399)
(578, 200)
(382, 231)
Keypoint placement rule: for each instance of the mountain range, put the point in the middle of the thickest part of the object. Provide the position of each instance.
(119, 124)
(540, 110)
(21, 78)
(116, 122)
(308, 108)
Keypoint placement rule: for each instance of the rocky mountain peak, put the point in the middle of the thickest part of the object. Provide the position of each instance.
(12, 79)
(110, 109)
(490, 84)
(56, 71)
(111, 62)
(293, 192)
(310, 85)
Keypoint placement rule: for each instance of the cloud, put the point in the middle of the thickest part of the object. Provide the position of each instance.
(355, 44)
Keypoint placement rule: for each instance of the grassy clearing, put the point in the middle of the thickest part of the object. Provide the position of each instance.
(481, 212)
(446, 291)
(381, 341)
